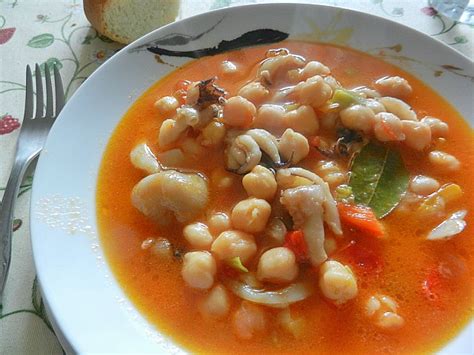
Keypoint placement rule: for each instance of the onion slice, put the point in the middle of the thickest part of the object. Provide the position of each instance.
(278, 298)
(455, 224)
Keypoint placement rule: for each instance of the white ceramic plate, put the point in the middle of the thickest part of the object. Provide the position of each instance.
(89, 309)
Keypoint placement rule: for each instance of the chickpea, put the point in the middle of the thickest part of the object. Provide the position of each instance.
(197, 234)
(142, 158)
(188, 115)
(358, 117)
(251, 215)
(399, 108)
(390, 320)
(228, 68)
(230, 244)
(337, 282)
(238, 112)
(216, 304)
(295, 325)
(271, 118)
(393, 86)
(160, 247)
(388, 127)
(293, 146)
(249, 320)
(332, 82)
(170, 131)
(218, 223)
(314, 91)
(374, 105)
(260, 183)
(199, 269)
(302, 120)
(439, 129)
(212, 135)
(367, 93)
(383, 310)
(277, 265)
(167, 105)
(330, 172)
(417, 134)
(423, 185)
(310, 69)
(444, 160)
(255, 92)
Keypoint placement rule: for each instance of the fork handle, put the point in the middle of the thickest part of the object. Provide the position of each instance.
(6, 218)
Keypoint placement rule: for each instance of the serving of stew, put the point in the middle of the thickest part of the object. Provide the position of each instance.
(299, 197)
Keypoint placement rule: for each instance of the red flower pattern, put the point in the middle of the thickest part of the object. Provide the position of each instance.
(8, 124)
(429, 11)
(6, 34)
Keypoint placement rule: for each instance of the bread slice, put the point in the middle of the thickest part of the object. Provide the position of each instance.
(126, 20)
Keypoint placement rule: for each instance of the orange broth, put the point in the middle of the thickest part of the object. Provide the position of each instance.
(406, 259)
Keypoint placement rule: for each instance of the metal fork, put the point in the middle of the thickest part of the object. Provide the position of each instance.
(32, 137)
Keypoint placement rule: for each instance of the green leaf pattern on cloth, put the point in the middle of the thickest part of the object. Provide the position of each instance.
(41, 41)
(56, 31)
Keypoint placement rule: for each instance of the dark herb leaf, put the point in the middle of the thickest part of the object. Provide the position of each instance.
(378, 178)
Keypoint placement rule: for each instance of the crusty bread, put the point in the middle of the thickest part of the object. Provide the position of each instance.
(126, 20)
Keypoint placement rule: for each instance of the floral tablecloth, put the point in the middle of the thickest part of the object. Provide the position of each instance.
(56, 31)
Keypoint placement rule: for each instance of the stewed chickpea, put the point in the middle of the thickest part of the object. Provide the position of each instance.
(293, 146)
(216, 304)
(383, 311)
(260, 183)
(254, 92)
(277, 265)
(251, 215)
(417, 134)
(393, 86)
(438, 127)
(337, 282)
(271, 117)
(314, 91)
(358, 117)
(424, 185)
(249, 320)
(444, 160)
(388, 127)
(218, 222)
(303, 120)
(167, 105)
(238, 112)
(198, 236)
(231, 244)
(399, 108)
(199, 269)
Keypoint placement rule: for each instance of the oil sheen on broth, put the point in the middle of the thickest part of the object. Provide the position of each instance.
(256, 189)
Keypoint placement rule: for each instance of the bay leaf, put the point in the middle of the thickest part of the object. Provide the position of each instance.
(378, 178)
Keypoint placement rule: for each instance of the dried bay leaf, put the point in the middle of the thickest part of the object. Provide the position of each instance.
(378, 178)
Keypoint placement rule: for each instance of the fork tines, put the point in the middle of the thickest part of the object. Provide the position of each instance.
(51, 111)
